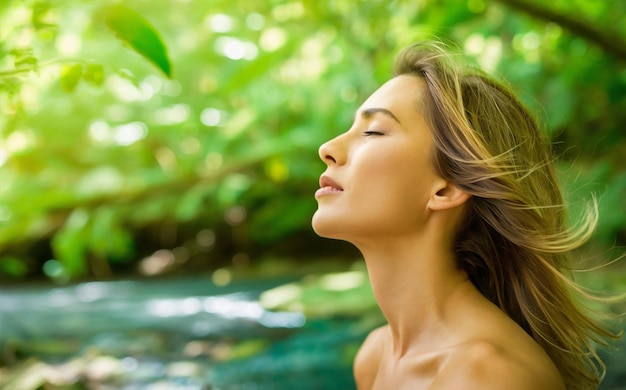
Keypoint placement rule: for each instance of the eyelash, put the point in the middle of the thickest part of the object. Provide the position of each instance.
(372, 133)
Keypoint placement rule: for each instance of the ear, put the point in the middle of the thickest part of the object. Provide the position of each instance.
(446, 196)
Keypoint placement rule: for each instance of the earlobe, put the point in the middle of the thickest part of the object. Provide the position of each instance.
(447, 196)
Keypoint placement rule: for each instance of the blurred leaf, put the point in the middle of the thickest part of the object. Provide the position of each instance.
(39, 14)
(26, 61)
(23, 57)
(70, 76)
(282, 217)
(190, 204)
(276, 169)
(128, 75)
(107, 237)
(13, 267)
(232, 187)
(344, 293)
(69, 244)
(9, 85)
(248, 348)
(69, 247)
(613, 209)
(137, 32)
(94, 74)
(558, 102)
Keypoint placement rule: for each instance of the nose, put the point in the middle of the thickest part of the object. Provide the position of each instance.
(325, 153)
(331, 152)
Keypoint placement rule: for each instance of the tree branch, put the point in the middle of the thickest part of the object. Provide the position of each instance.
(58, 214)
(607, 39)
(35, 68)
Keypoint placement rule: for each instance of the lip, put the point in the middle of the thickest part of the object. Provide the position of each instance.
(328, 186)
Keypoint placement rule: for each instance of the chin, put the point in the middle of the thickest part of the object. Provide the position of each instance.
(324, 226)
(332, 226)
(318, 225)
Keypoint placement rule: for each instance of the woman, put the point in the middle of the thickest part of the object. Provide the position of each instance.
(446, 186)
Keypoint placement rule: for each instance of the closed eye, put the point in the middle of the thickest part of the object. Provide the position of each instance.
(372, 132)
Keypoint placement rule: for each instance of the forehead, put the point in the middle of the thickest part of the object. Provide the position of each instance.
(403, 95)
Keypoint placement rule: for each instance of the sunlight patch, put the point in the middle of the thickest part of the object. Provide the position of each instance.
(220, 23)
(129, 133)
(273, 39)
(342, 281)
(280, 296)
(236, 49)
(69, 44)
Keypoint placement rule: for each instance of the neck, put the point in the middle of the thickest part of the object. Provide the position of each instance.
(417, 286)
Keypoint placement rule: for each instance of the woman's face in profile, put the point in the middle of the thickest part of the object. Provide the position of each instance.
(379, 174)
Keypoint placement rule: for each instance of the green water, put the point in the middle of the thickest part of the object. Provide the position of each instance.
(176, 334)
(181, 334)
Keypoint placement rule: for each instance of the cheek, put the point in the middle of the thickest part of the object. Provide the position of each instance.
(396, 189)
(398, 176)
(386, 192)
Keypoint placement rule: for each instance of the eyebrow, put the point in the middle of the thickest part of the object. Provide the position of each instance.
(368, 112)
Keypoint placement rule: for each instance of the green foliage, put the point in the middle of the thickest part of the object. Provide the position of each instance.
(326, 296)
(13, 267)
(136, 31)
(104, 161)
(70, 76)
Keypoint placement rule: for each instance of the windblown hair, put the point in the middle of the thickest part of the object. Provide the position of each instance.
(514, 243)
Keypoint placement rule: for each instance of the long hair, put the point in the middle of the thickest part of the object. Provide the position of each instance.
(515, 242)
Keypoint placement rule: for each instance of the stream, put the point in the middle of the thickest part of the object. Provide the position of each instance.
(180, 334)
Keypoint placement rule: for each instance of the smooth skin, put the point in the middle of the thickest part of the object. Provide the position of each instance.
(442, 333)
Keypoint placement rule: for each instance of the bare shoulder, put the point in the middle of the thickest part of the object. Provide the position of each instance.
(486, 365)
(368, 358)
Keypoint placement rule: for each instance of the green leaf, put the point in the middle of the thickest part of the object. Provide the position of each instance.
(69, 244)
(26, 61)
(94, 74)
(107, 238)
(190, 204)
(40, 11)
(24, 57)
(137, 32)
(70, 76)
(13, 266)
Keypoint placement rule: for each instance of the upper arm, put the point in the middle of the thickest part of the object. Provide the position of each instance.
(367, 359)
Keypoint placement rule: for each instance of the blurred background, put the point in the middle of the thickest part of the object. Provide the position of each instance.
(158, 161)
